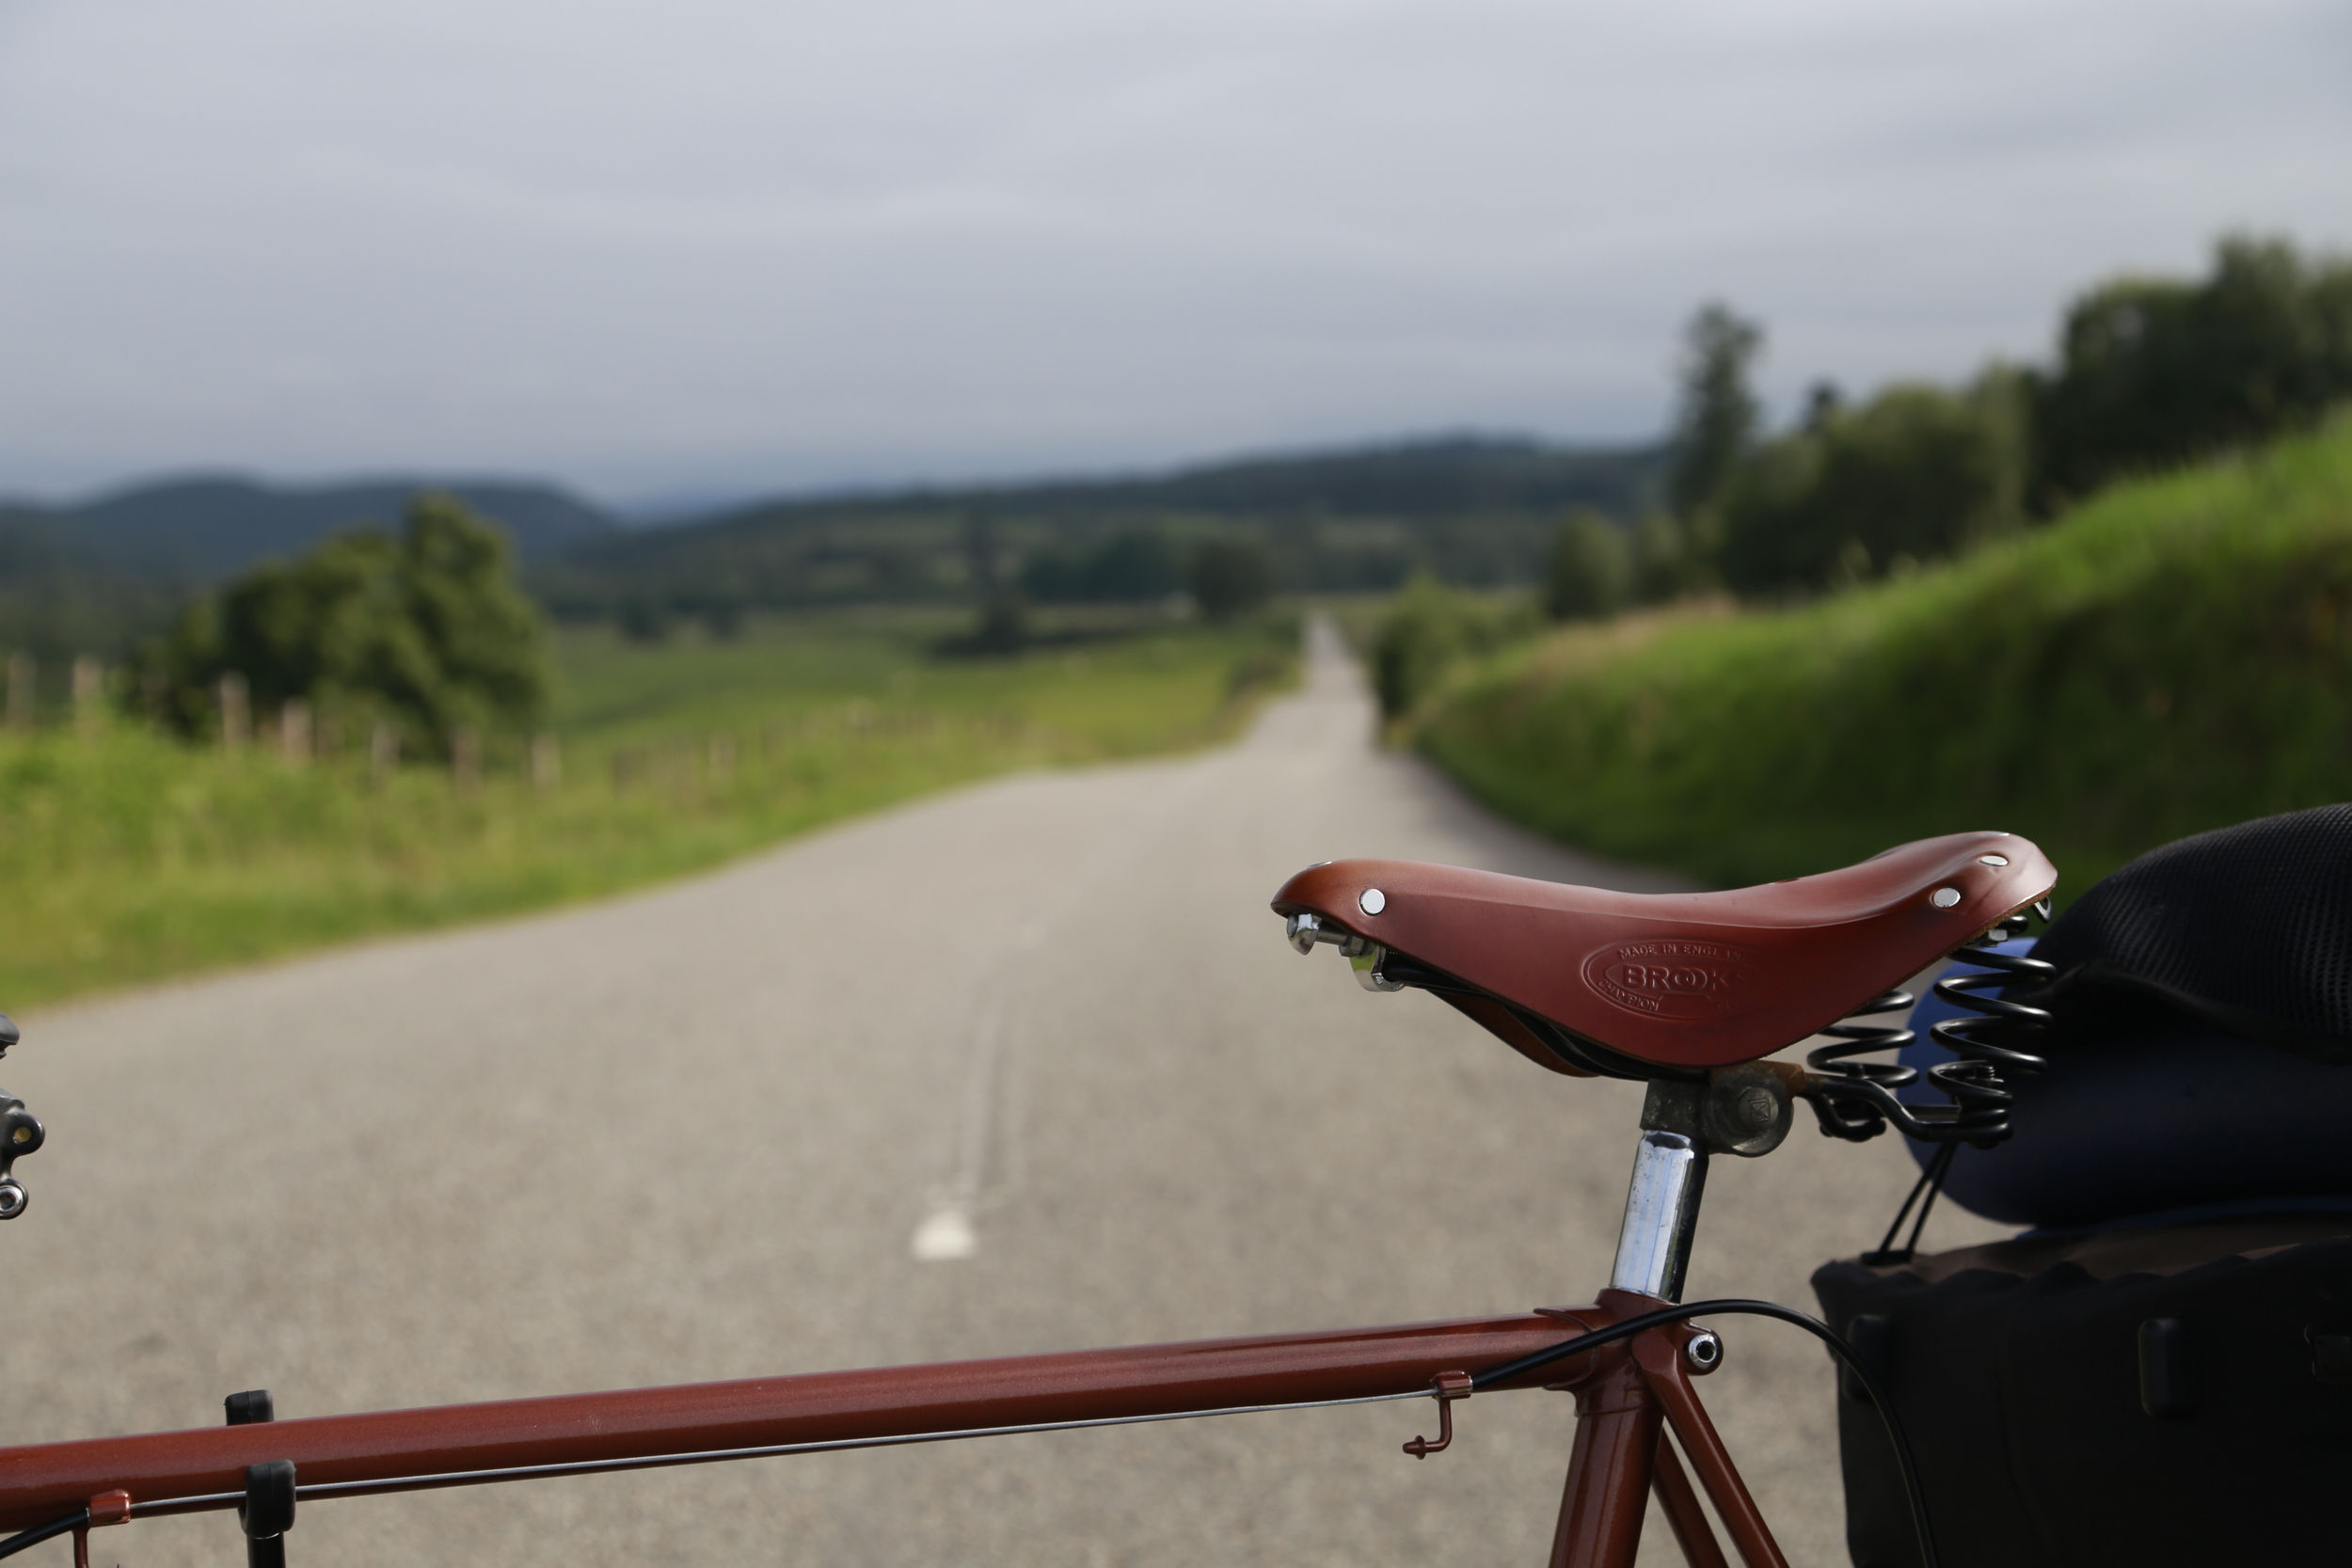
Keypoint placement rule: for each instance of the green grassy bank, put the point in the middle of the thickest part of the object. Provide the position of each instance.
(2176, 655)
(125, 856)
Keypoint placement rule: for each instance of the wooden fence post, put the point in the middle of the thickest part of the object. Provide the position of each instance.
(465, 759)
(89, 686)
(236, 711)
(383, 754)
(293, 730)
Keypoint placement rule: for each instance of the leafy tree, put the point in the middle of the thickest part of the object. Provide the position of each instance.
(645, 618)
(2154, 373)
(425, 628)
(1822, 399)
(1666, 564)
(1232, 574)
(1003, 628)
(980, 549)
(1135, 564)
(1716, 416)
(1429, 628)
(1590, 569)
(1915, 474)
(1138, 564)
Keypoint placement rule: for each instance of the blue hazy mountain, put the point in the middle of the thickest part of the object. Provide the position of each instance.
(203, 529)
(95, 575)
(1470, 508)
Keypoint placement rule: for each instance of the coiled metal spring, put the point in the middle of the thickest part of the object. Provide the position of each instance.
(1858, 1099)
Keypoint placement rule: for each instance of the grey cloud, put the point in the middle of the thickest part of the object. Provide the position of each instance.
(705, 243)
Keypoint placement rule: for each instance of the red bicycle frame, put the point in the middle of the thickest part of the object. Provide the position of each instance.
(1623, 1392)
(1629, 1391)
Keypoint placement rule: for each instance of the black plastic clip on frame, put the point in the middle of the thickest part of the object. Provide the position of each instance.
(268, 1510)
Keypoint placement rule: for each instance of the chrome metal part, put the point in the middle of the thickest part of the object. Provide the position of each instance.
(1661, 1212)
(1991, 860)
(1703, 1353)
(1371, 900)
(1366, 962)
(1945, 898)
(1304, 931)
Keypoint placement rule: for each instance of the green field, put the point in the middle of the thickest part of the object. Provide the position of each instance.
(129, 857)
(2173, 655)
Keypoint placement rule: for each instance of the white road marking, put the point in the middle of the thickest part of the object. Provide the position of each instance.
(945, 1236)
(947, 1233)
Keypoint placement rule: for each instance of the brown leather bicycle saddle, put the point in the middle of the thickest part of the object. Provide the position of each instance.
(1679, 979)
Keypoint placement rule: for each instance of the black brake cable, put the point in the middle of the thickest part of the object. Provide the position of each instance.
(1734, 1306)
(40, 1534)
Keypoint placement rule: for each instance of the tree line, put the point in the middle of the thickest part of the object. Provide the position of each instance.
(2148, 374)
(1473, 510)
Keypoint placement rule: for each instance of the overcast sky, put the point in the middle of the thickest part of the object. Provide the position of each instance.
(704, 246)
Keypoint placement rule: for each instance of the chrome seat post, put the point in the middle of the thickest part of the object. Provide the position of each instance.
(1662, 1215)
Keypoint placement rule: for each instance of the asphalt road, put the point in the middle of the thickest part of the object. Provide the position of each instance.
(1042, 1032)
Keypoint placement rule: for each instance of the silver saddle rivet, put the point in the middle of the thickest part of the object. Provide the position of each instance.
(1371, 900)
(1945, 898)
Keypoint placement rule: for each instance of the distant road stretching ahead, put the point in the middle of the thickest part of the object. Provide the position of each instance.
(1021, 1069)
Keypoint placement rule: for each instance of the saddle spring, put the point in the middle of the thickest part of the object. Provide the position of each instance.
(1858, 1099)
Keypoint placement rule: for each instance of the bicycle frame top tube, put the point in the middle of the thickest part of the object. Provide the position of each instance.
(397, 1450)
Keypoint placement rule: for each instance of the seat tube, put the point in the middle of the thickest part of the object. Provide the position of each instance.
(1617, 1416)
(1662, 1215)
(1604, 1504)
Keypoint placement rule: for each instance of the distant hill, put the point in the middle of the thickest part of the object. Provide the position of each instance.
(1470, 508)
(98, 575)
(1449, 476)
(95, 576)
(201, 529)
(59, 599)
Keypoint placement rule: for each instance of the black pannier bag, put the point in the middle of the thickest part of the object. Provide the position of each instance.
(2181, 1395)
(2160, 1370)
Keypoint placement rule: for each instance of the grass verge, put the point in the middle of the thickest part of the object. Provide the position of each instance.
(2174, 655)
(128, 857)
